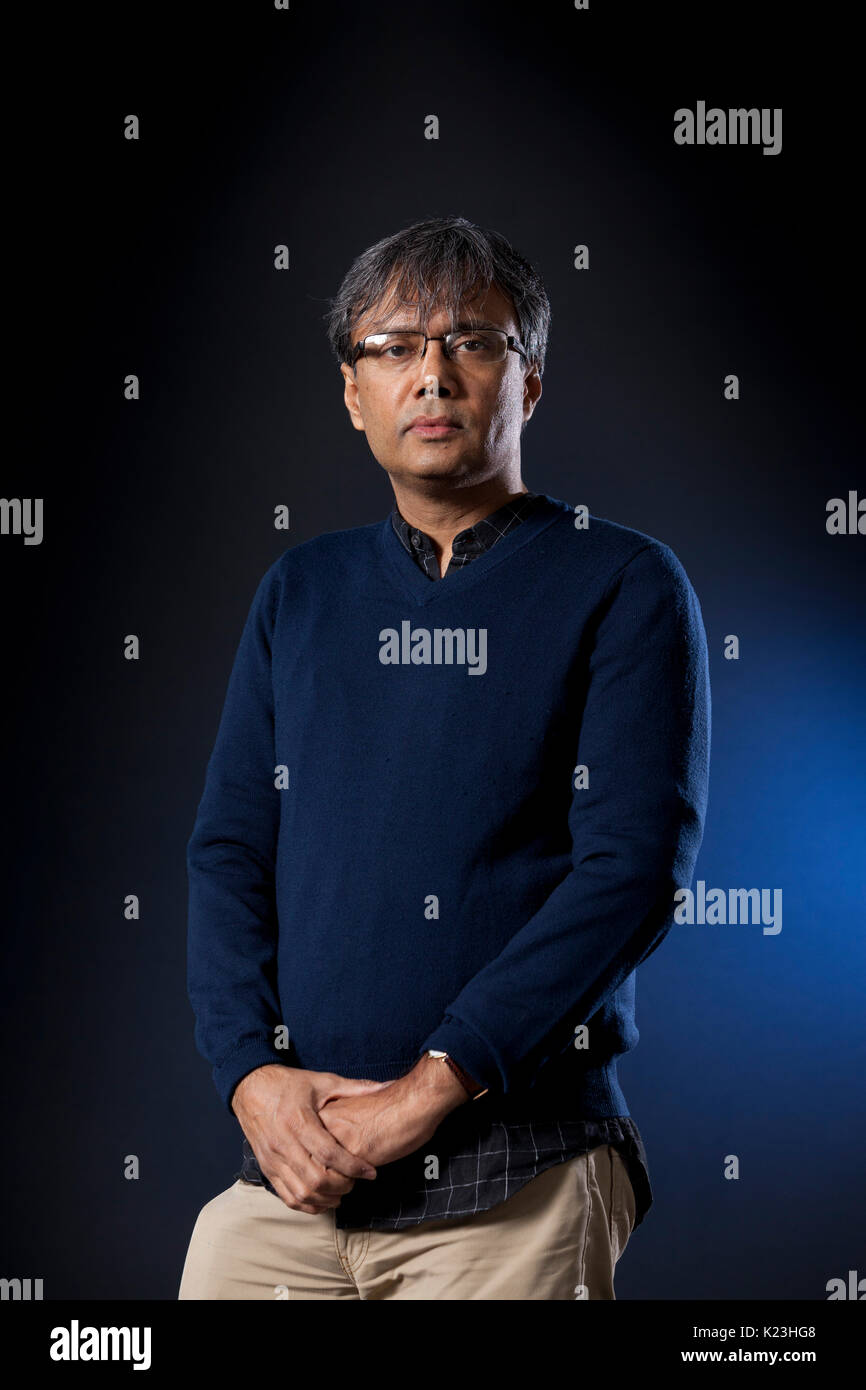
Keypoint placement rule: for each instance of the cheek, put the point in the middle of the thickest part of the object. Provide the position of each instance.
(503, 410)
(506, 400)
(383, 409)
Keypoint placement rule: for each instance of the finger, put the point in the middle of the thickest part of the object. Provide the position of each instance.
(295, 1169)
(311, 1182)
(347, 1086)
(322, 1183)
(285, 1191)
(317, 1140)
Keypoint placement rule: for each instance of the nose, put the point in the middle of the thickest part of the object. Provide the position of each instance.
(436, 364)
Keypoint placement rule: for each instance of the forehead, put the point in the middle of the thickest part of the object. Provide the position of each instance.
(491, 305)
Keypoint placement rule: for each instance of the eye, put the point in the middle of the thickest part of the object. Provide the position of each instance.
(481, 344)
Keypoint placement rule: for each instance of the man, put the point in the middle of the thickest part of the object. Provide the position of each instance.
(460, 774)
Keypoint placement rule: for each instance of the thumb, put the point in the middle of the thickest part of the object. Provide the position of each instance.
(348, 1086)
(353, 1086)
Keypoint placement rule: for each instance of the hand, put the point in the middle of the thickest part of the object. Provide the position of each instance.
(382, 1126)
(277, 1107)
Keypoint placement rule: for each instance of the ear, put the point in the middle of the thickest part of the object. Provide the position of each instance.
(531, 391)
(350, 396)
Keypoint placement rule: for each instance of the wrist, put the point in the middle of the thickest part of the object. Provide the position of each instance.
(249, 1082)
(433, 1087)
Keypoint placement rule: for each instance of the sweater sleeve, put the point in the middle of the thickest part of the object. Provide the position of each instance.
(636, 830)
(232, 920)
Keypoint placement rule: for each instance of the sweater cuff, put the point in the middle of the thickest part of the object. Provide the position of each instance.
(467, 1050)
(233, 1070)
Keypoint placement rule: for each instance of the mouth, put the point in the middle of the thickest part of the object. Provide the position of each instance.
(434, 431)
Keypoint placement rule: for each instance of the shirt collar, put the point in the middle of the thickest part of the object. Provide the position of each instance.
(468, 543)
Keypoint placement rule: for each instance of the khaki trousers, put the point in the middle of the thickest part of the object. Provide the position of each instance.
(558, 1237)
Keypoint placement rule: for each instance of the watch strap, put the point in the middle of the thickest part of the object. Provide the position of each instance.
(473, 1088)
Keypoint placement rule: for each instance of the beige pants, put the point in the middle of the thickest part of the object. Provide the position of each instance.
(558, 1237)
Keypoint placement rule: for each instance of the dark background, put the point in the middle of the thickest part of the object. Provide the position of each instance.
(306, 127)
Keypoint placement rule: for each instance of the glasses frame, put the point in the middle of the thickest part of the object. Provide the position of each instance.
(513, 344)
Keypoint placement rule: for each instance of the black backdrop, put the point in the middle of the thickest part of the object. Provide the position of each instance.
(155, 257)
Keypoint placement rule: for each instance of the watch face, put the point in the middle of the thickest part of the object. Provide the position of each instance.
(431, 1052)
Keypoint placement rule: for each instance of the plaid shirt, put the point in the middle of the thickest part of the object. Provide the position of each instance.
(484, 1151)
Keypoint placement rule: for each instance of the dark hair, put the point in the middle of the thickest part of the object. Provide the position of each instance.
(440, 260)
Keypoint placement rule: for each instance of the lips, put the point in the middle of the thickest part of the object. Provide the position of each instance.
(435, 425)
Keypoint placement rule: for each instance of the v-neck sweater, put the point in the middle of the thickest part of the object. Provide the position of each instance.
(451, 815)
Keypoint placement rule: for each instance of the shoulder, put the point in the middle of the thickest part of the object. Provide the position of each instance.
(607, 554)
(324, 556)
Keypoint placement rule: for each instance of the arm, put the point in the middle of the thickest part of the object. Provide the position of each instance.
(232, 942)
(232, 927)
(636, 831)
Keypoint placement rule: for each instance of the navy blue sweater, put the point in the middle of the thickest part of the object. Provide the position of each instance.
(396, 848)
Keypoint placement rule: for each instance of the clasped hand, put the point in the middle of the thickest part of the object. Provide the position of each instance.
(314, 1133)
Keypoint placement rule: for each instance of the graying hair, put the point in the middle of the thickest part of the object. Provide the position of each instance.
(440, 261)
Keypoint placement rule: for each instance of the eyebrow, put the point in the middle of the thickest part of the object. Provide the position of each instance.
(461, 326)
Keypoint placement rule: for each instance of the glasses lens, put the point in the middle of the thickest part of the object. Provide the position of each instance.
(484, 345)
(394, 351)
(391, 351)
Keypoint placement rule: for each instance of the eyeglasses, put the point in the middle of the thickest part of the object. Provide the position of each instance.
(393, 352)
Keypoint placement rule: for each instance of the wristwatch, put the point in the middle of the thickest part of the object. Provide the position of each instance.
(472, 1088)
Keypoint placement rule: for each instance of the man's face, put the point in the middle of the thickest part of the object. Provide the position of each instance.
(487, 404)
